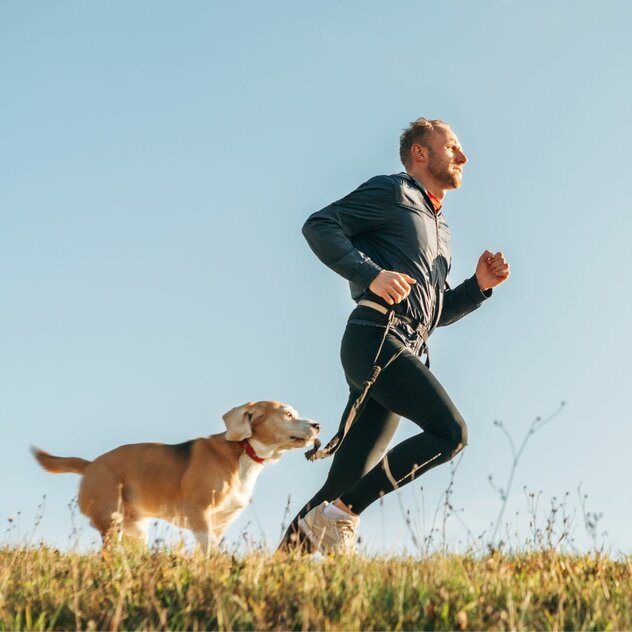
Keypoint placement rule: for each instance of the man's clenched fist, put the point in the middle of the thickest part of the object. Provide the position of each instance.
(393, 287)
(491, 270)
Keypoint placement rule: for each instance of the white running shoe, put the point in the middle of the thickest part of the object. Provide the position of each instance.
(330, 529)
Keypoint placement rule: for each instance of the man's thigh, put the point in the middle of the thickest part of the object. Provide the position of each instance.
(406, 387)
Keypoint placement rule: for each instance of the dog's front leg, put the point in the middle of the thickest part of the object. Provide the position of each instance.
(206, 540)
(198, 521)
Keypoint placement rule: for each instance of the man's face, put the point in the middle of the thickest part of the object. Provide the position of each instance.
(446, 158)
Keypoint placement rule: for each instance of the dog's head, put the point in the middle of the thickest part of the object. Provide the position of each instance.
(271, 428)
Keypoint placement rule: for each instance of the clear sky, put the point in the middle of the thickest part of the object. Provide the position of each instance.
(158, 160)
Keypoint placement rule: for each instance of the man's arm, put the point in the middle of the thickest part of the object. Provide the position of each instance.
(461, 300)
(329, 230)
(491, 271)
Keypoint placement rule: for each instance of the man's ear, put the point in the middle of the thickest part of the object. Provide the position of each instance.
(238, 421)
(419, 153)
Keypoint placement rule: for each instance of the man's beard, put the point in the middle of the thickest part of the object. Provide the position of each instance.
(441, 172)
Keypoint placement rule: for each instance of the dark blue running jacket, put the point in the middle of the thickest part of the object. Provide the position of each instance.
(389, 223)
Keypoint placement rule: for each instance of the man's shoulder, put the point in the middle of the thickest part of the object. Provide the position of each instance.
(388, 180)
(395, 189)
(390, 184)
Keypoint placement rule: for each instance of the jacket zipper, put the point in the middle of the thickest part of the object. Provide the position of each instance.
(436, 293)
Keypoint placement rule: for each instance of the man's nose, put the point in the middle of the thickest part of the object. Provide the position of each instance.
(461, 158)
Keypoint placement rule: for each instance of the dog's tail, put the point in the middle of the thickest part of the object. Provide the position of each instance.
(59, 464)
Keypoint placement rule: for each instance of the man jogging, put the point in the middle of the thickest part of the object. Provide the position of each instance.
(390, 240)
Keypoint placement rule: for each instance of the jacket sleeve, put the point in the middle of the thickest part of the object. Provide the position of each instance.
(329, 231)
(462, 300)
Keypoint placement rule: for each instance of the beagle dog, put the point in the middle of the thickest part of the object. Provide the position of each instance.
(202, 484)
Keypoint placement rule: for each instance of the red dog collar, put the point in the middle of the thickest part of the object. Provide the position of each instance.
(250, 451)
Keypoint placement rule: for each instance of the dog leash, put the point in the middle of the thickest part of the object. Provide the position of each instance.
(334, 443)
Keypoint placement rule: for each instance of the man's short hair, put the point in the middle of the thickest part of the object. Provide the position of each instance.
(416, 133)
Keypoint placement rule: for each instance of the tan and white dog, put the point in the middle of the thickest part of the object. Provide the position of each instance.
(201, 485)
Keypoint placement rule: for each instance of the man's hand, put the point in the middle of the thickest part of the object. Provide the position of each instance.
(393, 287)
(491, 270)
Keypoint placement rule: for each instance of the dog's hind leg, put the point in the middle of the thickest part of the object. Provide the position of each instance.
(100, 499)
(135, 528)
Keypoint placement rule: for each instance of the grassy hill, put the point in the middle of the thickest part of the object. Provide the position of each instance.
(41, 588)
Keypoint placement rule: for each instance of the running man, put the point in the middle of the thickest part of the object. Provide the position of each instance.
(390, 240)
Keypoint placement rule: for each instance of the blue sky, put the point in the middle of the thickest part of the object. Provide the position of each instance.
(158, 162)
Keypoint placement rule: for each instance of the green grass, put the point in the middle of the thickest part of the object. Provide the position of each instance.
(41, 588)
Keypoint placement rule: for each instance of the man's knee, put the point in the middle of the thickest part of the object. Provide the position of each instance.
(459, 435)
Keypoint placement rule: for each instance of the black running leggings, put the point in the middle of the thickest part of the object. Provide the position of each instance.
(360, 472)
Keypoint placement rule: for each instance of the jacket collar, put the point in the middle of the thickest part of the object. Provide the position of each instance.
(426, 194)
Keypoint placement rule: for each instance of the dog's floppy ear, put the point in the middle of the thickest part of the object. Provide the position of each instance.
(238, 422)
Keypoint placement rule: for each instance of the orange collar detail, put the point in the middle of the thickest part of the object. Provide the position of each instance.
(436, 202)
